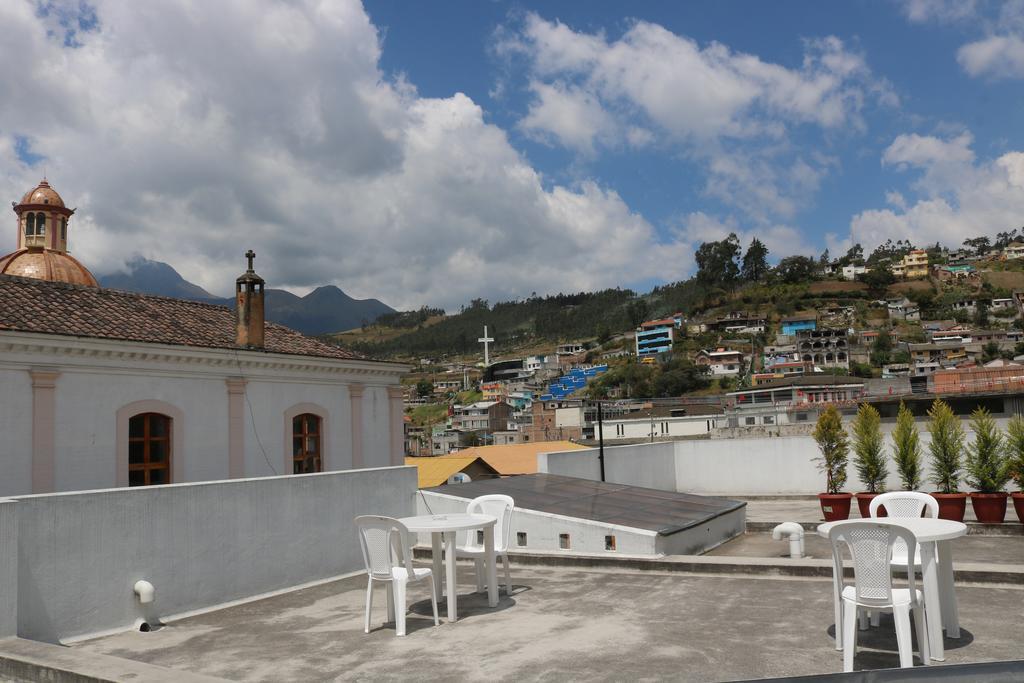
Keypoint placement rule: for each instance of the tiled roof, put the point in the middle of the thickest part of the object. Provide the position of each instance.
(30, 305)
(520, 458)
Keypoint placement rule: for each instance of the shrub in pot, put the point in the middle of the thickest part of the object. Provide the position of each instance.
(1015, 461)
(831, 440)
(906, 449)
(987, 471)
(868, 456)
(946, 450)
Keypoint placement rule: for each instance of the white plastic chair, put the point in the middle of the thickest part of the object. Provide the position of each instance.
(387, 552)
(871, 547)
(500, 507)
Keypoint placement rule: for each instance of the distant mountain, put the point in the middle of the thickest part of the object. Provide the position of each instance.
(325, 309)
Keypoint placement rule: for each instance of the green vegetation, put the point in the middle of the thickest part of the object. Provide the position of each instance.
(831, 439)
(946, 447)
(675, 377)
(429, 414)
(1015, 450)
(906, 449)
(868, 457)
(986, 463)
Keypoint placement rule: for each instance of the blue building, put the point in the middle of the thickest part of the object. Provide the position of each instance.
(795, 323)
(656, 336)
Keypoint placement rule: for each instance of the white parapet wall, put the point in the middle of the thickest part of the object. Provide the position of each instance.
(201, 545)
(543, 530)
(8, 569)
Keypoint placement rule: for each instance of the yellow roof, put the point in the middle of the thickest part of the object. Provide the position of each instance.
(434, 471)
(517, 458)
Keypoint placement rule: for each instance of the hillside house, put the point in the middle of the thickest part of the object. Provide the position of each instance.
(851, 272)
(902, 308)
(946, 353)
(485, 416)
(663, 423)
(720, 362)
(792, 324)
(827, 347)
(657, 336)
(792, 400)
(1014, 250)
(913, 265)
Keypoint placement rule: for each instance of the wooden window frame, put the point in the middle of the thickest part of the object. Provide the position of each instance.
(147, 466)
(304, 434)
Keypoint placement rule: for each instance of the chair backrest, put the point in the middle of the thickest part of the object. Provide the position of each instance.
(871, 545)
(497, 506)
(386, 544)
(905, 504)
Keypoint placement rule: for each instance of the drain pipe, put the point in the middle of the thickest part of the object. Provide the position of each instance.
(145, 593)
(795, 532)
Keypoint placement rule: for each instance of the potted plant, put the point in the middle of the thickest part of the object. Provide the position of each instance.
(987, 471)
(831, 439)
(868, 457)
(1015, 461)
(946, 449)
(906, 449)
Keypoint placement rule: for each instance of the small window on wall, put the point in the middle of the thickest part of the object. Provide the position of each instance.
(30, 225)
(63, 229)
(521, 538)
(769, 419)
(149, 449)
(306, 444)
(750, 420)
(563, 541)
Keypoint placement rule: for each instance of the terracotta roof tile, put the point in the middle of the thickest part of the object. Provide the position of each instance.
(30, 305)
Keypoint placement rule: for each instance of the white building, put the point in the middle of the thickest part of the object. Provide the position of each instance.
(102, 388)
(662, 422)
(851, 272)
(721, 362)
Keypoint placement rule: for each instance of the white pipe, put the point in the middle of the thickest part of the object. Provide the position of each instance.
(144, 590)
(796, 537)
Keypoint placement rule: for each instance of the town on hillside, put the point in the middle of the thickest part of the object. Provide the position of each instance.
(760, 351)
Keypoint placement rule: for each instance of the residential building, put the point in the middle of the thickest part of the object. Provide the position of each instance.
(494, 391)
(539, 363)
(902, 308)
(946, 353)
(662, 423)
(654, 337)
(792, 324)
(721, 362)
(791, 400)
(571, 349)
(543, 426)
(851, 271)
(1014, 250)
(826, 347)
(485, 416)
(950, 272)
(913, 265)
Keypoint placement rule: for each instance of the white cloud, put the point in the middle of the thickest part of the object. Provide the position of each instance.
(945, 11)
(730, 111)
(1000, 56)
(782, 240)
(961, 198)
(189, 133)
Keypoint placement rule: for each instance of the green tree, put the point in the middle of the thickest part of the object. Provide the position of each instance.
(881, 349)
(986, 465)
(717, 262)
(979, 245)
(906, 449)
(796, 269)
(424, 388)
(990, 352)
(755, 261)
(878, 278)
(981, 314)
(868, 457)
(604, 333)
(637, 311)
(946, 446)
(831, 439)
(1015, 450)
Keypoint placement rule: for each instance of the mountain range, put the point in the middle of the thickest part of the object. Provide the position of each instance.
(324, 310)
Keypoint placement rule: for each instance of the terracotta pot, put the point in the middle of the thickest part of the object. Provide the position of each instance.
(835, 506)
(1018, 504)
(864, 499)
(951, 505)
(990, 508)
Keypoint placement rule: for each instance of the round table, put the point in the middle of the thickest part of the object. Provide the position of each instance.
(933, 535)
(444, 527)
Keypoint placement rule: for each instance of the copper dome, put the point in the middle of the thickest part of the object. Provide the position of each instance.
(43, 194)
(46, 264)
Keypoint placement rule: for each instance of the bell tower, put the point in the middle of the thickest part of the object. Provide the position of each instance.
(249, 307)
(43, 219)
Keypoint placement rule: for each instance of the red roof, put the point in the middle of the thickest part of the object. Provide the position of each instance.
(30, 305)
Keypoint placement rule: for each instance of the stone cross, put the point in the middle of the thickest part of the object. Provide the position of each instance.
(485, 340)
(251, 255)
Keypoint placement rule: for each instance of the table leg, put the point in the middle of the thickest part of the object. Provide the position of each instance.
(837, 608)
(435, 557)
(947, 589)
(932, 601)
(492, 569)
(449, 558)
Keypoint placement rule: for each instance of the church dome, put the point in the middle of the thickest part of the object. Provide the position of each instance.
(43, 194)
(47, 264)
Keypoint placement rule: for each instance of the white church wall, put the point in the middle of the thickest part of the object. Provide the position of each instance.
(15, 432)
(200, 545)
(376, 427)
(8, 569)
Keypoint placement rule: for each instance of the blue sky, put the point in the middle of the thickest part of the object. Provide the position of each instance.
(430, 153)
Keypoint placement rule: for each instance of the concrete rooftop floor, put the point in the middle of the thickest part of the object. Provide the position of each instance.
(560, 623)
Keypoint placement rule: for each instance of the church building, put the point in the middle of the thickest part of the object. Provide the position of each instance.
(102, 388)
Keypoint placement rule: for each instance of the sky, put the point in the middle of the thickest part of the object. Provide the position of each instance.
(429, 153)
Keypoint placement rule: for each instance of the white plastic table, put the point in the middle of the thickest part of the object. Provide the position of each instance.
(933, 535)
(443, 527)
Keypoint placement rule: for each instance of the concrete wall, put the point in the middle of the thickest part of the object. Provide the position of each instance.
(200, 545)
(8, 569)
(652, 465)
(16, 428)
(543, 529)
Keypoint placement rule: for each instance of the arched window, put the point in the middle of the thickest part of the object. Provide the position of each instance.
(40, 224)
(30, 225)
(149, 449)
(64, 229)
(306, 434)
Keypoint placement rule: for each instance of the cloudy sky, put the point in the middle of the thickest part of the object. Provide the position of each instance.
(432, 152)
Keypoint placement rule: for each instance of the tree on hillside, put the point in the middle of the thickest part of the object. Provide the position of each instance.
(717, 261)
(795, 269)
(979, 245)
(981, 314)
(990, 352)
(890, 251)
(878, 279)
(424, 388)
(881, 349)
(755, 261)
(637, 311)
(854, 255)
